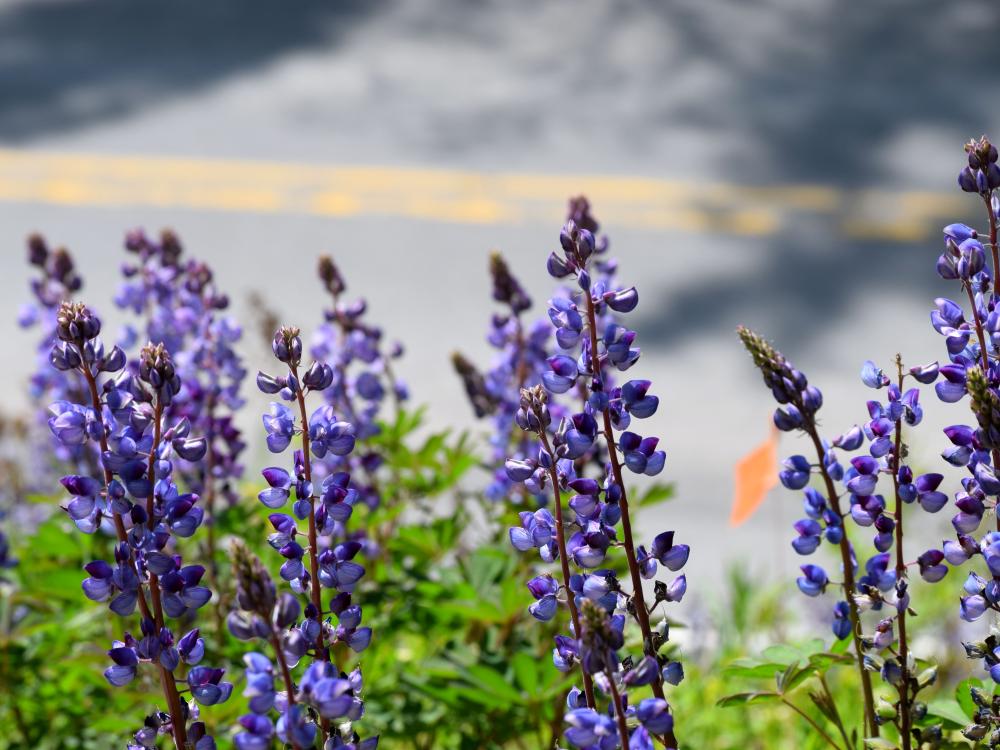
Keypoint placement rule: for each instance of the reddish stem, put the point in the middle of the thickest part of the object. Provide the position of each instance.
(619, 709)
(639, 601)
(322, 652)
(314, 588)
(167, 681)
(993, 237)
(286, 676)
(177, 720)
(982, 349)
(588, 683)
(641, 611)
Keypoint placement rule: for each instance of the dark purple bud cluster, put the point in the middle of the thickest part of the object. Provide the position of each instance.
(582, 455)
(982, 175)
(507, 290)
(482, 400)
(323, 556)
(123, 419)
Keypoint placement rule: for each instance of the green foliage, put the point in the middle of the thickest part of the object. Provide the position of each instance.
(456, 662)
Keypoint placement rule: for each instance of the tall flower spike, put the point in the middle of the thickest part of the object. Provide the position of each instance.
(265, 615)
(972, 336)
(886, 581)
(521, 358)
(181, 305)
(326, 558)
(590, 343)
(351, 353)
(798, 402)
(56, 280)
(124, 418)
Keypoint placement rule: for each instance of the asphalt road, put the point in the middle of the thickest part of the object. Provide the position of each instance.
(780, 164)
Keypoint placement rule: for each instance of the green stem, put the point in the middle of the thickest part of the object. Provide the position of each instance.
(836, 712)
(588, 683)
(812, 722)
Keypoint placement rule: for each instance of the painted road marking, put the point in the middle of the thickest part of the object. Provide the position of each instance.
(445, 195)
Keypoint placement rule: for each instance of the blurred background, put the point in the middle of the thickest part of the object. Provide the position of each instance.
(782, 164)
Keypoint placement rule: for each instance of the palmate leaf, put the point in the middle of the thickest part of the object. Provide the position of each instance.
(783, 654)
(840, 646)
(822, 662)
(792, 664)
(485, 567)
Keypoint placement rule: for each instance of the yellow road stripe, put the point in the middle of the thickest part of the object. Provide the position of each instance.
(102, 180)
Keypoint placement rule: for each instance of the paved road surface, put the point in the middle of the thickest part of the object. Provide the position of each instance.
(776, 163)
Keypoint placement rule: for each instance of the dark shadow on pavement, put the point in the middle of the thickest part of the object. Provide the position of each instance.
(67, 63)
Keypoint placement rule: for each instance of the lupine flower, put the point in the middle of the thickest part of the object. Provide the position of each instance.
(183, 307)
(886, 460)
(972, 336)
(125, 420)
(324, 559)
(37, 458)
(521, 358)
(798, 402)
(560, 442)
(353, 368)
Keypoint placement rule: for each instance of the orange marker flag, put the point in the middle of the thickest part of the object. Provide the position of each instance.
(755, 477)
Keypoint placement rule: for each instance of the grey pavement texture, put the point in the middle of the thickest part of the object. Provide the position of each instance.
(854, 96)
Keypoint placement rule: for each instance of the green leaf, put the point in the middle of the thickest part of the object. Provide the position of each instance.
(753, 669)
(950, 710)
(783, 655)
(63, 584)
(782, 678)
(812, 646)
(657, 492)
(840, 646)
(745, 699)
(964, 698)
(526, 671)
(822, 662)
(878, 743)
(796, 678)
(492, 682)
